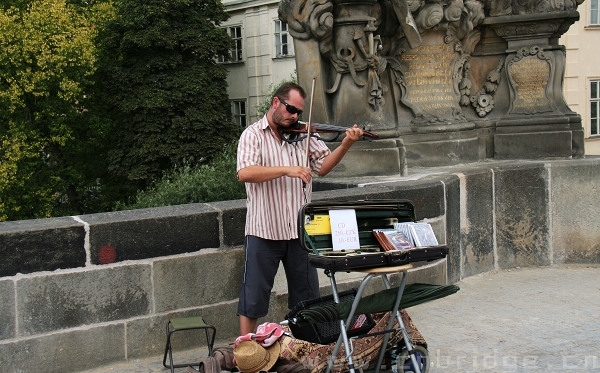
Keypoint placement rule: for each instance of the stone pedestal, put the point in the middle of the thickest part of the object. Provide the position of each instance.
(446, 148)
(450, 82)
(535, 121)
(365, 159)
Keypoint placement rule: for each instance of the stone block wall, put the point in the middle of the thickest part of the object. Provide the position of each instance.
(65, 311)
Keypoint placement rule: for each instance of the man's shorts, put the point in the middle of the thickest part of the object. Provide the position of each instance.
(261, 261)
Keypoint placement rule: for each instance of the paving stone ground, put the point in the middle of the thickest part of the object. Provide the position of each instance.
(533, 320)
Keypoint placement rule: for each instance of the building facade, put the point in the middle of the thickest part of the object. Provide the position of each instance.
(582, 75)
(263, 56)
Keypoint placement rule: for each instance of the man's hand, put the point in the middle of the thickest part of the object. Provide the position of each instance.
(353, 134)
(303, 173)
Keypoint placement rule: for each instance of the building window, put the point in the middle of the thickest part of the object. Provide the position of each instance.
(284, 45)
(235, 53)
(594, 13)
(238, 109)
(594, 107)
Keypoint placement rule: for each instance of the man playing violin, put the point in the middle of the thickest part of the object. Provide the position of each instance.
(278, 175)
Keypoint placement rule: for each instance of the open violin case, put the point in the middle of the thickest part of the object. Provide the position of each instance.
(370, 215)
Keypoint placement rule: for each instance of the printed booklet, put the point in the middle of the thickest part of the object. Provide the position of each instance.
(391, 239)
(420, 233)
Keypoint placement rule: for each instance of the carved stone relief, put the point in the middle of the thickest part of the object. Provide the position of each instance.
(506, 7)
(483, 101)
(388, 62)
(434, 71)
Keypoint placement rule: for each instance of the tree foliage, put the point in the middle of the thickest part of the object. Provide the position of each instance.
(166, 93)
(47, 133)
(99, 98)
(215, 181)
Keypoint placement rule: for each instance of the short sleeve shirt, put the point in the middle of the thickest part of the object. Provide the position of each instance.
(273, 205)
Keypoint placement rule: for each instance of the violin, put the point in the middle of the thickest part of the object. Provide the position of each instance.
(294, 132)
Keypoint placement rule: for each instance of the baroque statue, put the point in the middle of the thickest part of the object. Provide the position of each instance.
(406, 68)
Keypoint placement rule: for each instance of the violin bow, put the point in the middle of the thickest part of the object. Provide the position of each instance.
(312, 99)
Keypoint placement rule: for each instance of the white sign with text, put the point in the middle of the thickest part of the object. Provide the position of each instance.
(344, 230)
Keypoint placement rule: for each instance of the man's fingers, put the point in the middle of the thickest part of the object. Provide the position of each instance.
(354, 132)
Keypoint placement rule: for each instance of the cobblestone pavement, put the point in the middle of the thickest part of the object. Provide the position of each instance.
(534, 320)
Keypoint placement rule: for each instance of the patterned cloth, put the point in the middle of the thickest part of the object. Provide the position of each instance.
(366, 350)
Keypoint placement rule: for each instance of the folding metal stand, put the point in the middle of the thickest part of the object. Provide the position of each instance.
(344, 324)
(178, 324)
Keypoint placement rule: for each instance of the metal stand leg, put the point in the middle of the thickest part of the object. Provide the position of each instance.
(405, 336)
(343, 334)
(343, 338)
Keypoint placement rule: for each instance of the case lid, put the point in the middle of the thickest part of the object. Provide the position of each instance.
(315, 231)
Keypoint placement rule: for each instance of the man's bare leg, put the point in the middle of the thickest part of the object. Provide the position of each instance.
(247, 325)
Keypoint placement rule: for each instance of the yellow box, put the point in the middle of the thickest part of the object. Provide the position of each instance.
(319, 224)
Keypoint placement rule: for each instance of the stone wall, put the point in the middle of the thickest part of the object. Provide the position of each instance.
(64, 311)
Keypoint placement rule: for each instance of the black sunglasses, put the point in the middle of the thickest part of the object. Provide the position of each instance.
(290, 108)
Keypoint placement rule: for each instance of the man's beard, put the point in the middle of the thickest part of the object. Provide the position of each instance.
(280, 121)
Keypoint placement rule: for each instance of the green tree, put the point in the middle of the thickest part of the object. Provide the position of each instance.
(214, 181)
(165, 91)
(50, 140)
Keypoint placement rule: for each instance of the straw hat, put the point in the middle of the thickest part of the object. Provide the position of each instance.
(251, 357)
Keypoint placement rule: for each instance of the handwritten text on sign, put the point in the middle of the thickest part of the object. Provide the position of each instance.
(344, 230)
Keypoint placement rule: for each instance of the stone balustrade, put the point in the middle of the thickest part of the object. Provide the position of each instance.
(63, 310)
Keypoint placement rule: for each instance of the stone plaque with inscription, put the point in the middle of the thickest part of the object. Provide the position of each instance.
(529, 77)
(429, 84)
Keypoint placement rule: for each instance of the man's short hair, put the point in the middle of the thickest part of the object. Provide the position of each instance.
(284, 90)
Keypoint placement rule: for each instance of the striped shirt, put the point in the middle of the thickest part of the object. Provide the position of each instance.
(273, 205)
